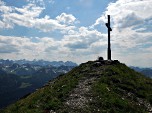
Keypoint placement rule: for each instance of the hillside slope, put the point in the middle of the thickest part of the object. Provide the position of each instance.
(92, 87)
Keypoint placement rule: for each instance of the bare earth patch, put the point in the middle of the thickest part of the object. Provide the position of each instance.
(80, 96)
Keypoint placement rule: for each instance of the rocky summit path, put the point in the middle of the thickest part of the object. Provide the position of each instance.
(80, 96)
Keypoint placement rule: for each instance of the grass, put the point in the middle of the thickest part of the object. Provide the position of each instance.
(118, 90)
(47, 98)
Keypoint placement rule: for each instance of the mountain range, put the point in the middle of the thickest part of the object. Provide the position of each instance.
(146, 71)
(19, 78)
(38, 62)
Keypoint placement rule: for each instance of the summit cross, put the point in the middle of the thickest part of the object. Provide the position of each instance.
(109, 45)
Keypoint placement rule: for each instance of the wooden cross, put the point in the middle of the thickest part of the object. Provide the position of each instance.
(109, 45)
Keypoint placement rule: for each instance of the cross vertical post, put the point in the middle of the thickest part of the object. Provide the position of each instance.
(109, 45)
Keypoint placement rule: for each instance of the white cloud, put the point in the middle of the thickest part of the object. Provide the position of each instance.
(23, 47)
(4, 48)
(123, 10)
(20, 16)
(38, 2)
(2, 24)
(4, 8)
(30, 11)
(28, 16)
(82, 39)
(66, 18)
(19, 19)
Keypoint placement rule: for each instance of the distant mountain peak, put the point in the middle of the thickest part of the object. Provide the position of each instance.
(37, 62)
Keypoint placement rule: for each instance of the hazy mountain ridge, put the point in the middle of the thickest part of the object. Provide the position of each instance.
(28, 69)
(146, 71)
(37, 62)
(92, 87)
(16, 80)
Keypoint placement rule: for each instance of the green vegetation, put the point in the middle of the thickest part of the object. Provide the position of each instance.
(118, 89)
(121, 89)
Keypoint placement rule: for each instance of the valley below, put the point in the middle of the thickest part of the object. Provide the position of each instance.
(20, 78)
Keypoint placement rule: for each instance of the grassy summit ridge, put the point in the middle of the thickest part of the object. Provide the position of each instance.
(104, 87)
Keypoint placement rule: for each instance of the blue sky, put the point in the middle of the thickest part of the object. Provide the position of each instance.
(75, 30)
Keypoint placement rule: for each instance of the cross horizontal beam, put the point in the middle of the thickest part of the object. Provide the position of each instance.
(108, 26)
